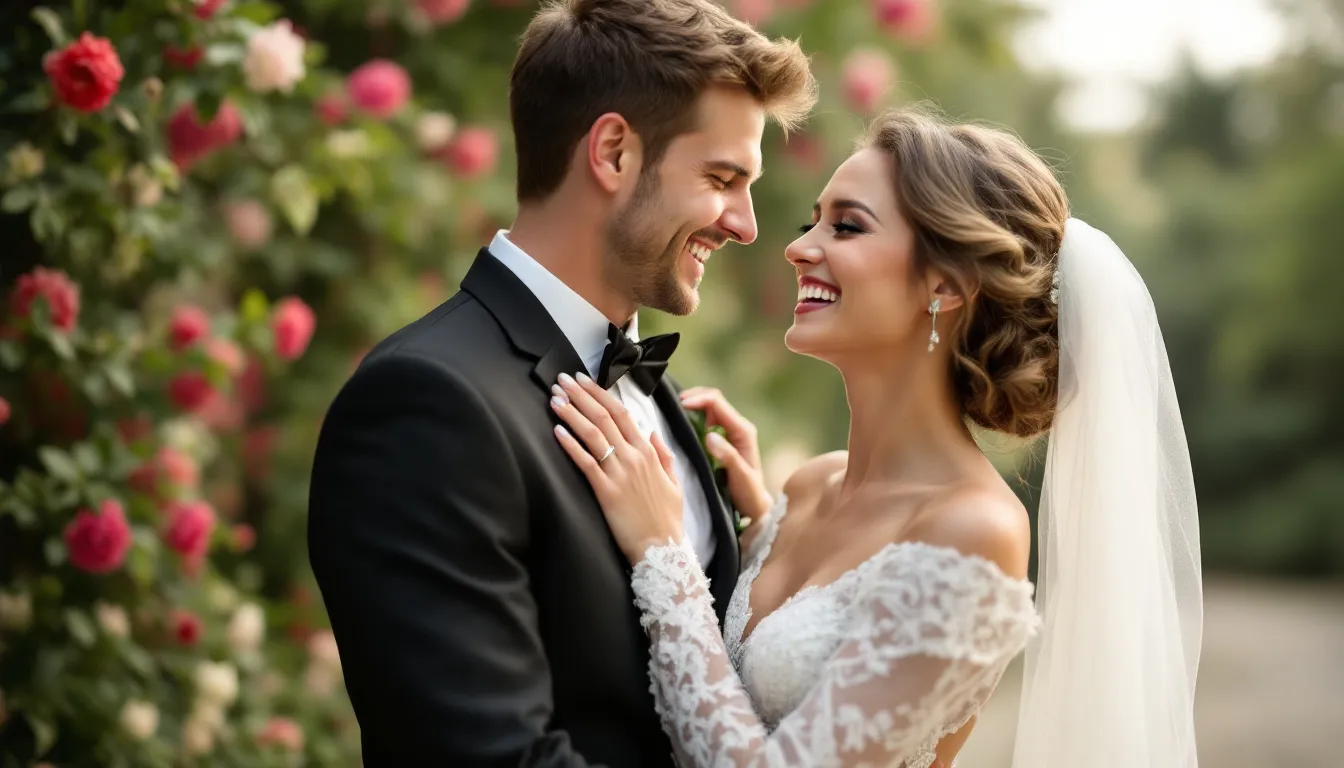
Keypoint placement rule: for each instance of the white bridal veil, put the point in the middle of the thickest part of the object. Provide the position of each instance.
(1110, 680)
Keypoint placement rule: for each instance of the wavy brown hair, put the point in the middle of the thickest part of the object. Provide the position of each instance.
(649, 61)
(988, 214)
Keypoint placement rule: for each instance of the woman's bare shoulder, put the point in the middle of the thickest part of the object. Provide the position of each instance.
(982, 519)
(814, 473)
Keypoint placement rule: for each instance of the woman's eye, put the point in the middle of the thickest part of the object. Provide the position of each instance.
(806, 228)
(847, 228)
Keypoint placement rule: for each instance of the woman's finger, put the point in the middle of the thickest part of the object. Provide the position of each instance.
(600, 417)
(613, 405)
(592, 437)
(587, 464)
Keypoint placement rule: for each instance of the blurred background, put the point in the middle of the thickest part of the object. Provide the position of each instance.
(209, 211)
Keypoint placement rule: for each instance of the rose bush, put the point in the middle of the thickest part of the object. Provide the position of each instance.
(211, 211)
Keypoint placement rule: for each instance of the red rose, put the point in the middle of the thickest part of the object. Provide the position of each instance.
(189, 140)
(207, 8)
(55, 286)
(867, 77)
(185, 58)
(909, 20)
(189, 526)
(98, 542)
(379, 87)
(186, 627)
(442, 11)
(292, 324)
(85, 73)
(190, 391)
(189, 325)
(4, 411)
(283, 732)
(226, 353)
(473, 152)
(244, 537)
(133, 429)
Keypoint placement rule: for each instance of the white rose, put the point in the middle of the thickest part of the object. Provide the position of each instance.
(113, 619)
(217, 682)
(346, 144)
(16, 610)
(140, 719)
(274, 59)
(198, 736)
(247, 628)
(25, 162)
(434, 130)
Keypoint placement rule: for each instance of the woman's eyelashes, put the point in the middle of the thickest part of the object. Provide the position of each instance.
(841, 227)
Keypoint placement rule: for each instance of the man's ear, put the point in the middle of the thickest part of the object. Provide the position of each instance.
(614, 152)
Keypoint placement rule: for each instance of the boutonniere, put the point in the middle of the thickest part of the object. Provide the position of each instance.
(702, 431)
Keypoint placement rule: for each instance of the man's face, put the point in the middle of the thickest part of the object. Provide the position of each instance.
(697, 198)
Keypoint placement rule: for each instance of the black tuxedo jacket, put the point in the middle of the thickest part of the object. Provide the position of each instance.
(482, 609)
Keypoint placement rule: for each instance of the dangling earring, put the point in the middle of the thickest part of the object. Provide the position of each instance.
(934, 306)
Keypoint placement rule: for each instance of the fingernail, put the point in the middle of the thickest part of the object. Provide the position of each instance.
(566, 380)
(715, 440)
(560, 431)
(557, 403)
(559, 393)
(583, 378)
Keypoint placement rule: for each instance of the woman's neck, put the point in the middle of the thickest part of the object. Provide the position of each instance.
(905, 423)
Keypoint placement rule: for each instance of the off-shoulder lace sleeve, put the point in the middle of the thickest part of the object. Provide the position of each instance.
(932, 632)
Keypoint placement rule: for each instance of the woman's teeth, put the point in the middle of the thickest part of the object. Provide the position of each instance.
(816, 293)
(699, 252)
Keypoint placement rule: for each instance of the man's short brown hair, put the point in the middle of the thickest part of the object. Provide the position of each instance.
(647, 60)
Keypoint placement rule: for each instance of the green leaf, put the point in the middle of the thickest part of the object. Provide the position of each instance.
(44, 733)
(61, 345)
(81, 628)
(257, 13)
(87, 458)
(18, 199)
(293, 191)
(121, 380)
(35, 100)
(255, 308)
(223, 54)
(51, 24)
(127, 118)
(11, 355)
(67, 126)
(55, 551)
(59, 463)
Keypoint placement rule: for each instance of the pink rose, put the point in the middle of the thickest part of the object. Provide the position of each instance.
(282, 732)
(244, 537)
(190, 390)
(379, 87)
(4, 411)
(292, 324)
(249, 223)
(169, 466)
(754, 12)
(332, 109)
(250, 386)
(189, 325)
(274, 59)
(908, 20)
(186, 627)
(85, 74)
(61, 294)
(190, 524)
(867, 77)
(98, 542)
(472, 153)
(189, 140)
(227, 354)
(442, 11)
(806, 151)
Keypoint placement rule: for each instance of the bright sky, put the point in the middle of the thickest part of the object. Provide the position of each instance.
(1111, 49)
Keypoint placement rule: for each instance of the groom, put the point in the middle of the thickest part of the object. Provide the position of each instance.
(483, 612)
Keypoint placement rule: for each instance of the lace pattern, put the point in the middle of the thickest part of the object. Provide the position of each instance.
(919, 637)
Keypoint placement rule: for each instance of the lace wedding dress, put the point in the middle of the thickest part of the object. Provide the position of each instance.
(869, 670)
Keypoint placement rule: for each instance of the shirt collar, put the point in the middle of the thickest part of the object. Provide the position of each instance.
(583, 325)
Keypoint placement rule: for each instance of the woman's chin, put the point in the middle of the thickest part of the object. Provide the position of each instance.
(802, 340)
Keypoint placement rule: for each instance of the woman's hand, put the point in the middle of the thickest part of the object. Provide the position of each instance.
(739, 454)
(633, 478)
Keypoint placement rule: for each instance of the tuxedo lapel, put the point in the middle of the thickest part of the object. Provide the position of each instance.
(723, 570)
(524, 319)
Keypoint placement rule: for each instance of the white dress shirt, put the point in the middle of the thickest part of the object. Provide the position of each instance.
(586, 329)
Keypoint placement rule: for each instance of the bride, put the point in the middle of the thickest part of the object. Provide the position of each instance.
(885, 591)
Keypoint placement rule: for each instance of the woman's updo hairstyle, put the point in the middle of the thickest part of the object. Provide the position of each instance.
(989, 215)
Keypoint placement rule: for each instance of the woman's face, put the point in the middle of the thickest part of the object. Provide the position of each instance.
(857, 289)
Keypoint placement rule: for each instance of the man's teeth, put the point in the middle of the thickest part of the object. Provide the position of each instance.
(816, 292)
(700, 252)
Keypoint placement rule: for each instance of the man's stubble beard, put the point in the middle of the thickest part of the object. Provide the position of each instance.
(638, 260)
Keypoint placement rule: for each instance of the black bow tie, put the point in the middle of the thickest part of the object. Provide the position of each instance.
(644, 360)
